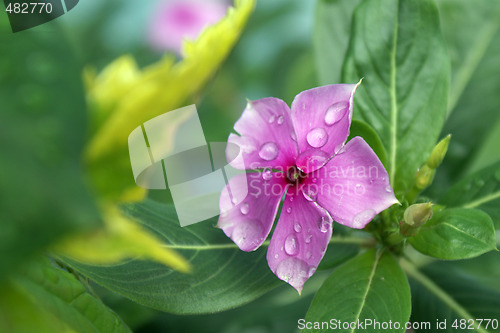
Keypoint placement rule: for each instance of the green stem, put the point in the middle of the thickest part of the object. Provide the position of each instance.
(413, 272)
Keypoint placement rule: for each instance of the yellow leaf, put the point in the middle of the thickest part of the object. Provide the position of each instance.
(123, 101)
(122, 238)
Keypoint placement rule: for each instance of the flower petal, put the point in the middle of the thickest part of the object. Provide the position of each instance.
(321, 119)
(248, 206)
(353, 186)
(266, 136)
(299, 240)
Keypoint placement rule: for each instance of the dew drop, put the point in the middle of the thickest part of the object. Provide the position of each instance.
(289, 210)
(267, 174)
(323, 224)
(388, 189)
(293, 136)
(317, 137)
(289, 270)
(245, 208)
(308, 238)
(297, 227)
(280, 120)
(268, 151)
(315, 180)
(276, 256)
(336, 112)
(312, 270)
(234, 200)
(291, 245)
(291, 199)
(271, 119)
(361, 219)
(308, 197)
(247, 235)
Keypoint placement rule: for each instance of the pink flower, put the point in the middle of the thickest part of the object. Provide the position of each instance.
(300, 155)
(176, 20)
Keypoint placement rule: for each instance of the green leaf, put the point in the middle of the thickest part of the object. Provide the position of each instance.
(331, 37)
(42, 131)
(440, 292)
(370, 286)
(480, 190)
(362, 129)
(222, 277)
(456, 233)
(403, 95)
(472, 32)
(58, 301)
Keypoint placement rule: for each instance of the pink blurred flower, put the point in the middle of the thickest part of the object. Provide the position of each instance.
(176, 20)
(301, 155)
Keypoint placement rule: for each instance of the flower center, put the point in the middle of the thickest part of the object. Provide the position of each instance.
(294, 176)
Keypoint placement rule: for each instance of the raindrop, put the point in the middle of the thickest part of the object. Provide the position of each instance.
(291, 199)
(289, 210)
(311, 271)
(267, 174)
(317, 137)
(388, 189)
(315, 180)
(268, 151)
(308, 197)
(276, 256)
(280, 120)
(308, 238)
(271, 119)
(336, 112)
(245, 208)
(293, 136)
(289, 270)
(297, 227)
(291, 245)
(247, 235)
(234, 200)
(361, 219)
(323, 224)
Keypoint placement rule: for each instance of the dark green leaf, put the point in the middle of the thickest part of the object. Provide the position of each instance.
(223, 276)
(456, 233)
(472, 33)
(403, 95)
(331, 37)
(362, 129)
(441, 293)
(370, 286)
(479, 190)
(42, 132)
(48, 299)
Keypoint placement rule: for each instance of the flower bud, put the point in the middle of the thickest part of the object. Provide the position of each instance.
(415, 216)
(439, 152)
(424, 177)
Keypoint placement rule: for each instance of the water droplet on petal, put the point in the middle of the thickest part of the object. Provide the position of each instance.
(388, 189)
(308, 255)
(247, 235)
(291, 245)
(234, 200)
(317, 137)
(297, 227)
(311, 160)
(271, 119)
(293, 136)
(289, 270)
(289, 210)
(312, 270)
(336, 112)
(280, 120)
(308, 238)
(323, 224)
(315, 180)
(291, 199)
(267, 174)
(361, 219)
(276, 256)
(268, 151)
(245, 208)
